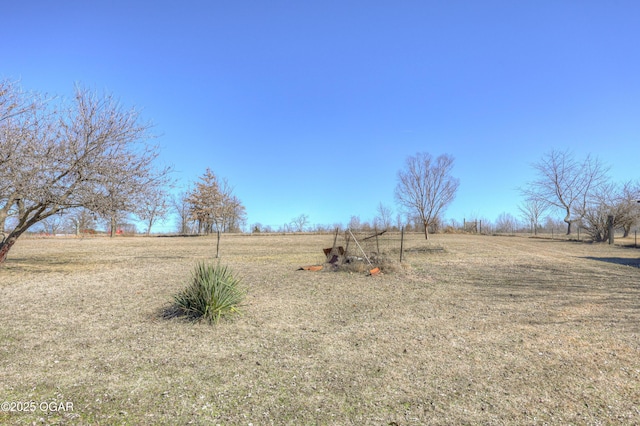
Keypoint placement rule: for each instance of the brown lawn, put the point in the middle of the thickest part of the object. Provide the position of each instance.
(471, 330)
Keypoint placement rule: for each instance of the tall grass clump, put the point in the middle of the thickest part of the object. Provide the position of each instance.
(212, 293)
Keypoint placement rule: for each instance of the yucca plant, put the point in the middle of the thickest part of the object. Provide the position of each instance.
(212, 293)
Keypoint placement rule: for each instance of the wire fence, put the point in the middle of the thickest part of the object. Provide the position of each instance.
(374, 245)
(399, 245)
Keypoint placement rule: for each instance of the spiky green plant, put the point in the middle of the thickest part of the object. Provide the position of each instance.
(212, 293)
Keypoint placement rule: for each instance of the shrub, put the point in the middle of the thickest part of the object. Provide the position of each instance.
(212, 293)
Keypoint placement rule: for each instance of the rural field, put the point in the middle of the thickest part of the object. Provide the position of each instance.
(468, 330)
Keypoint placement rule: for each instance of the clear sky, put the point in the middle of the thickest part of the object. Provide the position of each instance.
(312, 106)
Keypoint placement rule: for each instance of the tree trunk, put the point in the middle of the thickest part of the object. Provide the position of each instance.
(610, 230)
(150, 225)
(113, 227)
(567, 220)
(426, 230)
(5, 246)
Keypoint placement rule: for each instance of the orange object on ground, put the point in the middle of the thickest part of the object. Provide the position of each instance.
(313, 268)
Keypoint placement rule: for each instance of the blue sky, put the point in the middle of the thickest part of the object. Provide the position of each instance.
(312, 107)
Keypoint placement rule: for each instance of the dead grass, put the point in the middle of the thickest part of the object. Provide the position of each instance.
(485, 330)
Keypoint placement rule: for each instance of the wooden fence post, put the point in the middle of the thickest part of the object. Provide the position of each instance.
(218, 245)
(346, 245)
(401, 243)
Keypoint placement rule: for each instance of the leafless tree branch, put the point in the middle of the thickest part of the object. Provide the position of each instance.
(425, 186)
(88, 152)
(565, 183)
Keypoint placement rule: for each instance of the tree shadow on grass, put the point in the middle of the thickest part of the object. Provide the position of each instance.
(567, 297)
(37, 265)
(625, 261)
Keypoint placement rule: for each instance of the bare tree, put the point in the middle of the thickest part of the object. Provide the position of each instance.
(565, 183)
(400, 221)
(610, 200)
(53, 224)
(300, 222)
(355, 224)
(551, 224)
(153, 207)
(532, 210)
(82, 220)
(123, 225)
(630, 197)
(384, 217)
(506, 223)
(233, 214)
(23, 119)
(115, 208)
(69, 155)
(181, 206)
(426, 187)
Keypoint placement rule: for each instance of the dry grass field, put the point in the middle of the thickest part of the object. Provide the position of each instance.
(487, 330)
